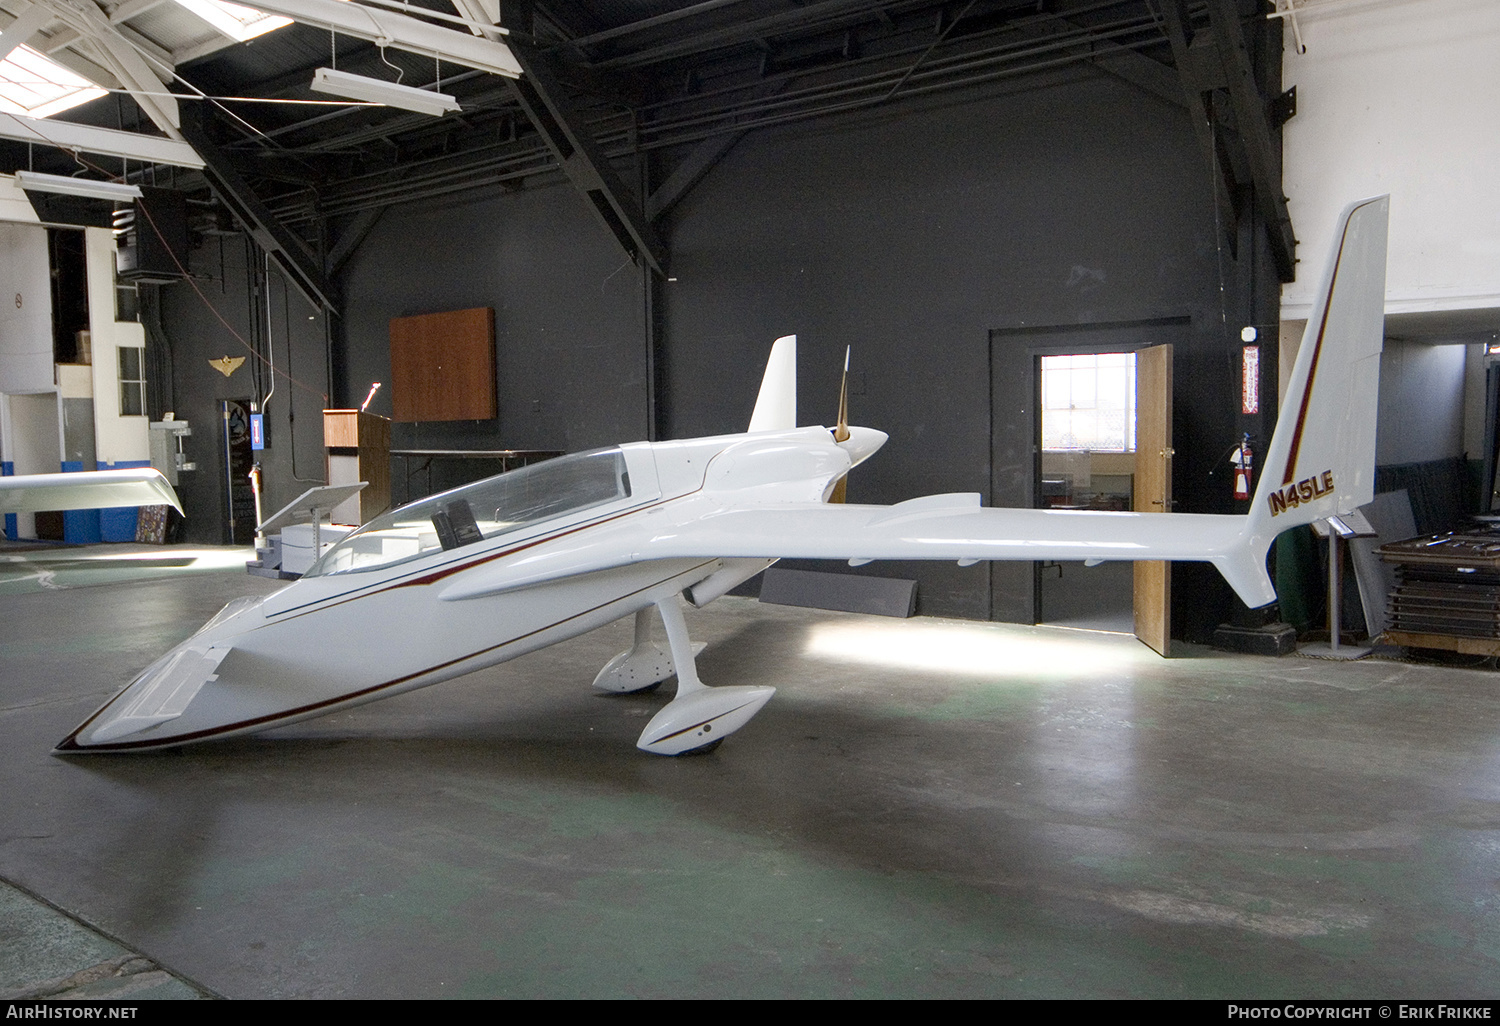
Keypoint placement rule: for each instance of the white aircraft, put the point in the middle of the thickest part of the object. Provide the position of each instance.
(485, 573)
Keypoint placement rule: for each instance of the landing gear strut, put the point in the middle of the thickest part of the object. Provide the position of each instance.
(699, 717)
(644, 665)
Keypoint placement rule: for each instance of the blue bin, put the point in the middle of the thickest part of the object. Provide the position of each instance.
(80, 526)
(118, 524)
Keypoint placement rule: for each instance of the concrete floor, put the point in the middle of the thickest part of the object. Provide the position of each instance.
(927, 808)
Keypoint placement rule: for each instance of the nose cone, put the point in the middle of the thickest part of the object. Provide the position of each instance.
(862, 443)
(175, 696)
(144, 713)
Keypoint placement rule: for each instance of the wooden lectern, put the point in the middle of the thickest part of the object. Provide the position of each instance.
(359, 449)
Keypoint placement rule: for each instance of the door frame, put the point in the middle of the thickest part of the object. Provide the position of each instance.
(1016, 423)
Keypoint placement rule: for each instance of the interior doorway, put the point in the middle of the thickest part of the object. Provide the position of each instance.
(1026, 471)
(1087, 406)
(237, 458)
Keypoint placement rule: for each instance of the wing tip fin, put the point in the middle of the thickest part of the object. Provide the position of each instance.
(776, 405)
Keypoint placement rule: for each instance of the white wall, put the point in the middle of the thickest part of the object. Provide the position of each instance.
(14, 206)
(25, 310)
(29, 427)
(1400, 96)
(1421, 403)
(116, 437)
(33, 441)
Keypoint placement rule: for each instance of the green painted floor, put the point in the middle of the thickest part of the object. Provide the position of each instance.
(926, 808)
(47, 954)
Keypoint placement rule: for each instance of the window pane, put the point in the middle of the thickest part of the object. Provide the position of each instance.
(1088, 402)
(130, 363)
(31, 83)
(131, 404)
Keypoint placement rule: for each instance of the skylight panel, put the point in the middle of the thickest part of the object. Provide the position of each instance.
(35, 85)
(237, 22)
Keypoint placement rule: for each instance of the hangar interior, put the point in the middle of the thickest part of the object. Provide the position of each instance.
(643, 194)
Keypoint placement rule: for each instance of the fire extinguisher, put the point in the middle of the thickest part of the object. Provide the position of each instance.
(1242, 460)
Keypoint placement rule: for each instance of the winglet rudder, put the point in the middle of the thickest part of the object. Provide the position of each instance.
(1321, 460)
(776, 407)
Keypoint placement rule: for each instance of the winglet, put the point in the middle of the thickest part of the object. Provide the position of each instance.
(776, 407)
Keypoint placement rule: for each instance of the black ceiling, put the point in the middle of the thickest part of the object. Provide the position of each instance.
(651, 76)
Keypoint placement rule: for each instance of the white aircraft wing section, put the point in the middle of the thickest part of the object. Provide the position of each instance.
(933, 528)
(937, 527)
(95, 489)
(827, 531)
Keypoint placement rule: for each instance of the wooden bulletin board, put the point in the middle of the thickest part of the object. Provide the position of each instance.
(443, 366)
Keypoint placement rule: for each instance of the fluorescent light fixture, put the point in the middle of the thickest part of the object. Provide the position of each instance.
(233, 20)
(33, 181)
(374, 90)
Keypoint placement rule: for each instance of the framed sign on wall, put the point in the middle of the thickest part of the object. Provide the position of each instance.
(443, 366)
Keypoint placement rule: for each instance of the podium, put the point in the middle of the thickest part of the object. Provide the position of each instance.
(359, 449)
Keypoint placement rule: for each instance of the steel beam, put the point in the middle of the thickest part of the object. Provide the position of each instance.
(387, 28)
(701, 161)
(546, 104)
(124, 60)
(689, 173)
(291, 255)
(1141, 72)
(1179, 35)
(31, 21)
(355, 233)
(1262, 148)
(110, 142)
(1109, 56)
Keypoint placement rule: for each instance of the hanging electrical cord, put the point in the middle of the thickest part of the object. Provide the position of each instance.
(400, 72)
(291, 405)
(270, 344)
(188, 277)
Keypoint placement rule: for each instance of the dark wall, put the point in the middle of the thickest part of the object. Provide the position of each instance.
(570, 343)
(1076, 201)
(231, 285)
(916, 235)
(569, 328)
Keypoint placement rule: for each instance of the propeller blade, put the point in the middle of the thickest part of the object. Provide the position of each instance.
(841, 429)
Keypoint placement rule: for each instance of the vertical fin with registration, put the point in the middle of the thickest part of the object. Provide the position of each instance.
(776, 406)
(1321, 460)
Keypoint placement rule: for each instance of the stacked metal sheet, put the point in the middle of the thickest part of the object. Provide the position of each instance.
(1446, 585)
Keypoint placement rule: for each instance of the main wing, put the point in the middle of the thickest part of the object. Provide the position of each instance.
(937, 527)
(943, 527)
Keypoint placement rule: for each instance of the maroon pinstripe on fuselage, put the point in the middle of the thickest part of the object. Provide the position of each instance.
(70, 743)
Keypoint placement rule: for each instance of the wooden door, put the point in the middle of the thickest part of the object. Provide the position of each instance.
(1153, 489)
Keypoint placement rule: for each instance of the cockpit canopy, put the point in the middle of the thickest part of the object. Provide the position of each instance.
(485, 509)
